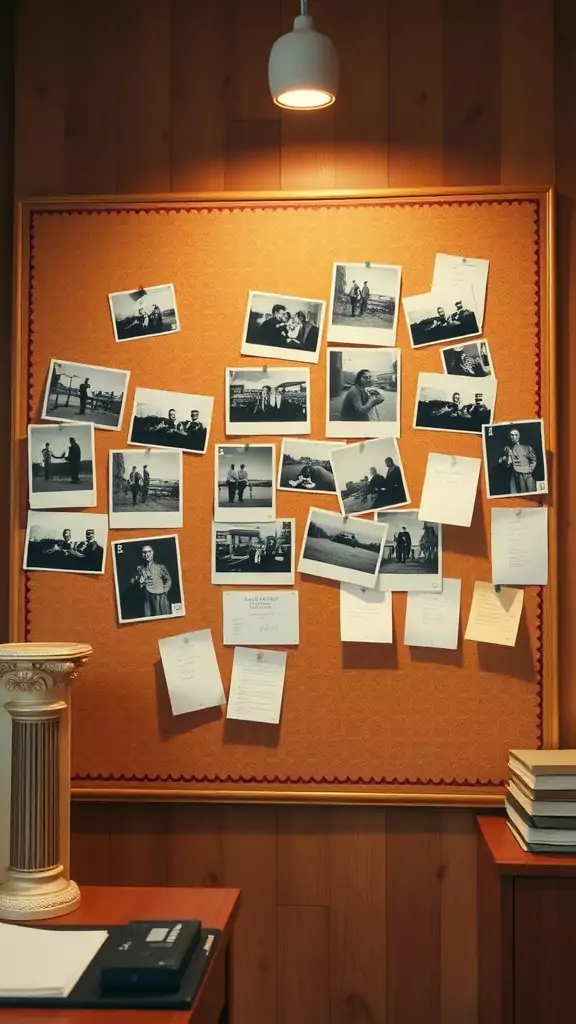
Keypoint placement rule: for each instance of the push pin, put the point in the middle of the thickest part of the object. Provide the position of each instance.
(367, 264)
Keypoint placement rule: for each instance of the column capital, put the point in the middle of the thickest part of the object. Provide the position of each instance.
(38, 669)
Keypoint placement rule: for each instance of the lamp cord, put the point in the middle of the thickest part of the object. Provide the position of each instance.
(304, 8)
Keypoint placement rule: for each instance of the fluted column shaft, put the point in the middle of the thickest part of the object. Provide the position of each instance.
(35, 804)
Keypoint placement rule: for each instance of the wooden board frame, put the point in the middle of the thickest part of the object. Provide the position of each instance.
(407, 791)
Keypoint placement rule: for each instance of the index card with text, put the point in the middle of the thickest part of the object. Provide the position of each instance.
(520, 546)
(495, 614)
(455, 271)
(432, 620)
(365, 615)
(260, 617)
(191, 671)
(449, 490)
(257, 685)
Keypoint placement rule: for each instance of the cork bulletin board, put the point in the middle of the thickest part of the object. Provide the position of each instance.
(359, 721)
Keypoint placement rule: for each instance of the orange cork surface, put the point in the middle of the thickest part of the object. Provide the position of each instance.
(352, 714)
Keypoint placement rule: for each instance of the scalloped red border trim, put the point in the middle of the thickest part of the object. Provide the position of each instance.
(320, 204)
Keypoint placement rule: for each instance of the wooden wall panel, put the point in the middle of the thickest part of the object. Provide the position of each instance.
(250, 844)
(526, 93)
(141, 59)
(89, 84)
(195, 847)
(40, 97)
(138, 847)
(303, 956)
(303, 857)
(415, 93)
(471, 62)
(413, 920)
(458, 918)
(6, 193)
(565, 150)
(358, 915)
(198, 135)
(350, 916)
(360, 117)
(308, 138)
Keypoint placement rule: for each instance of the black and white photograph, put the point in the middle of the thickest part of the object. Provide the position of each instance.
(268, 400)
(254, 553)
(244, 477)
(369, 475)
(95, 393)
(515, 459)
(472, 359)
(364, 304)
(412, 558)
(61, 466)
(283, 327)
(148, 578)
(306, 466)
(66, 542)
(339, 548)
(169, 419)
(443, 403)
(440, 316)
(363, 392)
(144, 312)
(145, 489)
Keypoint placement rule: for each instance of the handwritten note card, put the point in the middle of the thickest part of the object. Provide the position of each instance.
(449, 490)
(494, 615)
(191, 671)
(260, 617)
(365, 615)
(463, 271)
(432, 620)
(520, 546)
(257, 685)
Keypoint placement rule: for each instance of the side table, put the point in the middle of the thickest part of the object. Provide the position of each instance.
(526, 930)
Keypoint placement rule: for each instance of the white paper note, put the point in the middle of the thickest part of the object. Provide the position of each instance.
(449, 490)
(44, 962)
(432, 620)
(260, 617)
(494, 615)
(365, 615)
(191, 670)
(520, 546)
(257, 685)
(454, 271)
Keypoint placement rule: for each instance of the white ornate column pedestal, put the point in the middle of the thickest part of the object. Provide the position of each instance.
(37, 679)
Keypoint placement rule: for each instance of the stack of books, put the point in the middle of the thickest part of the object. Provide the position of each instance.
(541, 800)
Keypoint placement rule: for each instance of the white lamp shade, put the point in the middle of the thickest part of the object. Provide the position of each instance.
(303, 68)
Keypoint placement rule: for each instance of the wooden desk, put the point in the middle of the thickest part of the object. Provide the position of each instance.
(526, 930)
(216, 908)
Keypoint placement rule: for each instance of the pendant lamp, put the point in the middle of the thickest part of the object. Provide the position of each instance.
(303, 67)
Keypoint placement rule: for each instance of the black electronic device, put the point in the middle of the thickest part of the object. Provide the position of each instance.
(148, 956)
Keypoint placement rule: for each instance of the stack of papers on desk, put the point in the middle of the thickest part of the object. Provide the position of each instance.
(44, 963)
